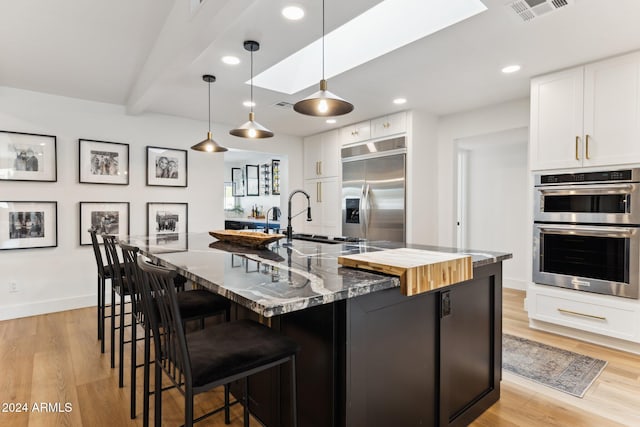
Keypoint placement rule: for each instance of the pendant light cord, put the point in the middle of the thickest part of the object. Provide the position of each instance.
(322, 39)
(209, 107)
(252, 81)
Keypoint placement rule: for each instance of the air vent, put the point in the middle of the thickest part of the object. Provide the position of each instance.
(284, 104)
(527, 10)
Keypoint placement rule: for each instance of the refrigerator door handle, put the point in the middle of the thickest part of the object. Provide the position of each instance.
(361, 212)
(366, 206)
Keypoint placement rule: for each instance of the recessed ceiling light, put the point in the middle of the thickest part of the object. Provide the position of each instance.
(511, 69)
(400, 101)
(404, 21)
(249, 104)
(293, 12)
(331, 121)
(231, 60)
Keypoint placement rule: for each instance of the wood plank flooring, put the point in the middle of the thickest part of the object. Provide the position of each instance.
(55, 359)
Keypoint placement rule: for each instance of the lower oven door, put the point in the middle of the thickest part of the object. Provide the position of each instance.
(601, 259)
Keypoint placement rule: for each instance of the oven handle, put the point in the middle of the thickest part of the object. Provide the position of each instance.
(589, 189)
(589, 231)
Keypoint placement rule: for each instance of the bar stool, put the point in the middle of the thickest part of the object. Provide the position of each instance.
(200, 361)
(196, 304)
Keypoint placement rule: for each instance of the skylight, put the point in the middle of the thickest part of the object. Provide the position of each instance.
(387, 26)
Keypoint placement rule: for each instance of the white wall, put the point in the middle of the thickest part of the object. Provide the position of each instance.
(64, 277)
(422, 179)
(496, 199)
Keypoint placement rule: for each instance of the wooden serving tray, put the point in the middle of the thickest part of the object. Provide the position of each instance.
(419, 270)
(252, 239)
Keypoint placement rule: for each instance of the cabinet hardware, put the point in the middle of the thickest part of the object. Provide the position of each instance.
(317, 168)
(319, 192)
(575, 313)
(586, 151)
(320, 167)
(577, 143)
(445, 304)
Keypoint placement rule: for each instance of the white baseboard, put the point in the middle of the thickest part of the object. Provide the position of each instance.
(511, 283)
(48, 306)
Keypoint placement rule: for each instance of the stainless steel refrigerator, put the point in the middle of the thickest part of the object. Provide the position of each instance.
(373, 190)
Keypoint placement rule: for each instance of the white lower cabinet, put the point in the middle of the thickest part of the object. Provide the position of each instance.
(325, 206)
(611, 316)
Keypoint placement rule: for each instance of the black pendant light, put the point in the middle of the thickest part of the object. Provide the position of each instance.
(209, 145)
(251, 129)
(323, 103)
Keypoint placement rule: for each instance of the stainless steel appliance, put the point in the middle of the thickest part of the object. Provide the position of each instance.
(586, 232)
(373, 190)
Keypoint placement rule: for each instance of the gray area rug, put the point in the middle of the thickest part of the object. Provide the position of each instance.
(563, 370)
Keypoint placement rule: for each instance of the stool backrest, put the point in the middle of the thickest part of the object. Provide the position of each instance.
(96, 250)
(158, 289)
(113, 261)
(133, 275)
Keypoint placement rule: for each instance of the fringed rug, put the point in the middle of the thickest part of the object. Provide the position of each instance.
(563, 370)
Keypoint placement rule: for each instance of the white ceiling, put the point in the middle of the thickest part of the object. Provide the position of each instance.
(150, 55)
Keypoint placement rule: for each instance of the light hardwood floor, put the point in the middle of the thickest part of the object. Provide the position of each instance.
(55, 358)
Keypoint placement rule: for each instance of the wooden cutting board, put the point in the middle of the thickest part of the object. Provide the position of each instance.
(418, 270)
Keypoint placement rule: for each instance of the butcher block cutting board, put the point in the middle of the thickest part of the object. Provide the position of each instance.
(419, 270)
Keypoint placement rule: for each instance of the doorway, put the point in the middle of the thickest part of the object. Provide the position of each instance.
(492, 198)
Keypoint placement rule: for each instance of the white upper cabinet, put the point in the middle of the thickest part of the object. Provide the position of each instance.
(612, 111)
(587, 116)
(325, 206)
(322, 155)
(389, 125)
(356, 132)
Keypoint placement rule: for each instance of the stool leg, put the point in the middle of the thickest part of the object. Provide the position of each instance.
(113, 326)
(147, 357)
(294, 411)
(245, 398)
(103, 285)
(99, 307)
(134, 337)
(121, 335)
(227, 418)
(158, 394)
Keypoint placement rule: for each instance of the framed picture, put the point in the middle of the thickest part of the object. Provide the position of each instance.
(167, 225)
(253, 181)
(237, 179)
(27, 157)
(104, 162)
(106, 217)
(25, 225)
(275, 177)
(166, 167)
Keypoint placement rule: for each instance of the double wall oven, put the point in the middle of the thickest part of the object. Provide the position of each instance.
(586, 232)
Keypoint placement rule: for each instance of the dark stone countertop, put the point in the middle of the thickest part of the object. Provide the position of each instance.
(282, 278)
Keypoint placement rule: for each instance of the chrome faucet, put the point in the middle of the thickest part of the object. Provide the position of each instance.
(289, 217)
(276, 216)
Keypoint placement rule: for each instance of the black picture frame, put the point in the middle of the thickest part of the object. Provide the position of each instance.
(28, 157)
(275, 177)
(168, 225)
(237, 180)
(28, 224)
(103, 162)
(106, 217)
(167, 167)
(253, 180)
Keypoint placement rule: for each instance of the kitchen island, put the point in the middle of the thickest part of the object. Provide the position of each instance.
(369, 355)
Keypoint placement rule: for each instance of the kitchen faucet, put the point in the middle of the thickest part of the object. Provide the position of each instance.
(289, 216)
(276, 215)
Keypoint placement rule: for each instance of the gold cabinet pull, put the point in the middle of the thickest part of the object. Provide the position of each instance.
(320, 167)
(317, 168)
(577, 149)
(586, 146)
(575, 313)
(318, 192)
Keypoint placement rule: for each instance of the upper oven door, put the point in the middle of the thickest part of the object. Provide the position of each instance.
(594, 203)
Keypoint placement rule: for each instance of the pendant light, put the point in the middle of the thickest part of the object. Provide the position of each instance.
(251, 129)
(323, 103)
(209, 145)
